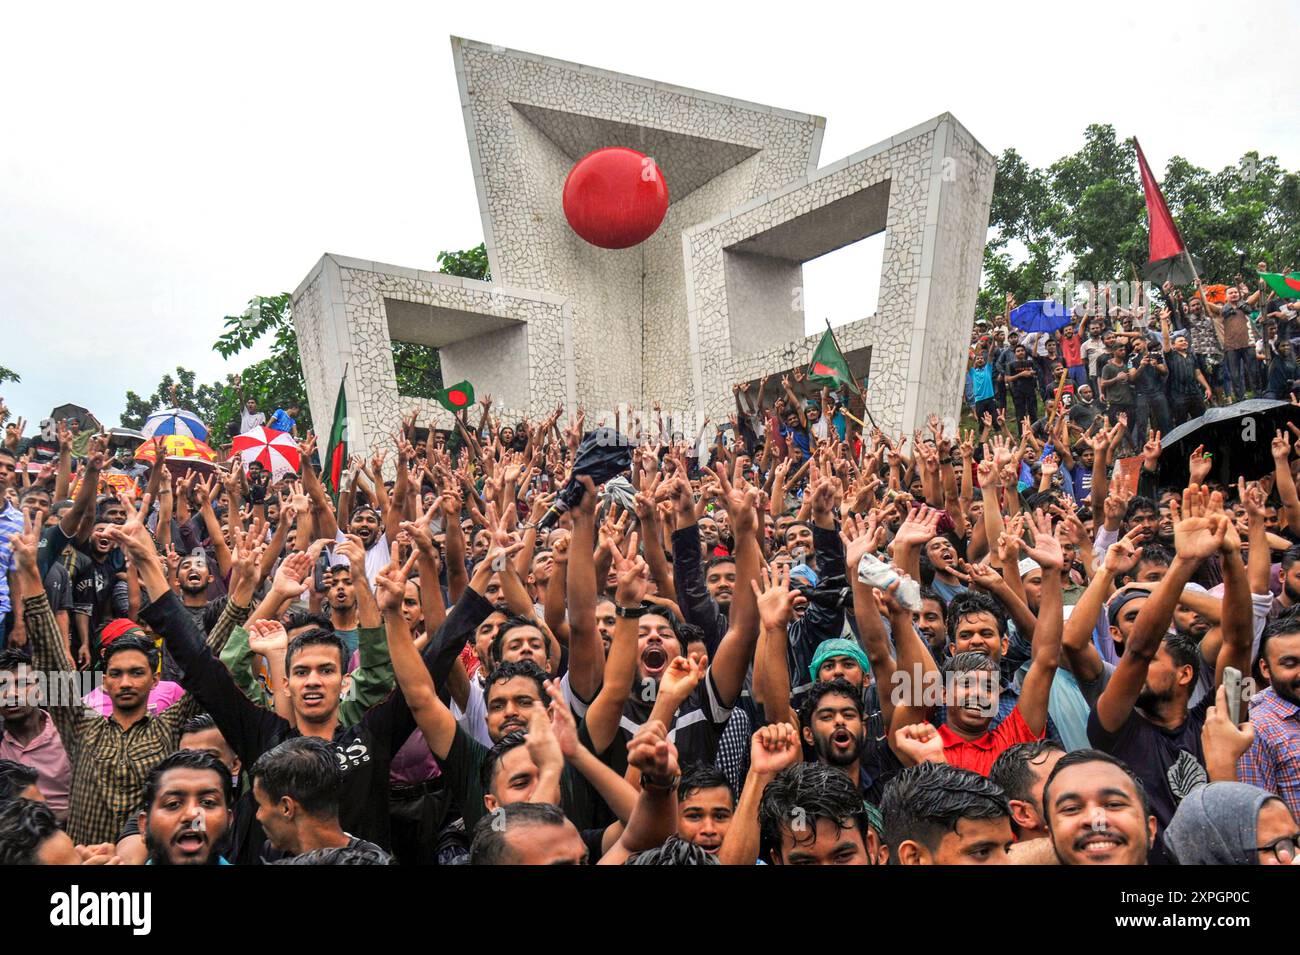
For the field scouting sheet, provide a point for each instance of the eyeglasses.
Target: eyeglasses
(1284, 849)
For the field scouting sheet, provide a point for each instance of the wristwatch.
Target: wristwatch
(631, 613)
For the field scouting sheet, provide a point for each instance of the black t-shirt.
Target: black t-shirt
(1170, 763)
(1148, 381)
(1182, 375)
(1025, 387)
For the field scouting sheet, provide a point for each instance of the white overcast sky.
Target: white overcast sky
(161, 164)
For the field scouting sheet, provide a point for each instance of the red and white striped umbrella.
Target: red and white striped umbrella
(274, 450)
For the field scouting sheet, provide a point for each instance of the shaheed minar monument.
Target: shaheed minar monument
(711, 297)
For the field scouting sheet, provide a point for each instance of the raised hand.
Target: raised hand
(1281, 446)
(1043, 545)
(390, 583)
(774, 748)
(267, 637)
(633, 575)
(775, 598)
(682, 676)
(291, 576)
(920, 525)
(1199, 464)
(920, 743)
(1123, 555)
(1199, 532)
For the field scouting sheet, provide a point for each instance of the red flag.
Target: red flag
(1165, 242)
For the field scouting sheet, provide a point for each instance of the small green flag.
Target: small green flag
(1287, 286)
(829, 364)
(337, 454)
(456, 397)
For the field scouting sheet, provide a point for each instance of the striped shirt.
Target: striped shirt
(110, 763)
(1273, 760)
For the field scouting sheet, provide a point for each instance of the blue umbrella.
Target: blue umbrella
(1041, 316)
(175, 421)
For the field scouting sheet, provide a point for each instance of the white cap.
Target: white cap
(1027, 566)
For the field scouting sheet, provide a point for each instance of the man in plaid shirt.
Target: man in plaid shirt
(111, 756)
(1273, 760)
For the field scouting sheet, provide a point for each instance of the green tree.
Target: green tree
(1085, 214)
(180, 391)
(7, 375)
(468, 264)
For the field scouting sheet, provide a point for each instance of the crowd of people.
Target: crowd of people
(795, 640)
(1159, 364)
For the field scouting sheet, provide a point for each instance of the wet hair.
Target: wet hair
(1012, 773)
(11, 658)
(1290, 556)
(929, 593)
(674, 851)
(305, 769)
(514, 622)
(969, 602)
(688, 633)
(490, 846)
(820, 793)
(1184, 651)
(1080, 756)
(822, 688)
(1154, 553)
(516, 668)
(341, 855)
(198, 724)
(487, 769)
(971, 661)
(134, 642)
(720, 559)
(320, 637)
(699, 777)
(24, 825)
(297, 619)
(14, 778)
(1283, 626)
(186, 759)
(924, 803)
(1140, 503)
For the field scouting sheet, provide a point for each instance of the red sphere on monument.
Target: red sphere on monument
(615, 197)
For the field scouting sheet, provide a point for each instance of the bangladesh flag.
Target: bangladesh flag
(829, 364)
(1287, 286)
(337, 456)
(456, 397)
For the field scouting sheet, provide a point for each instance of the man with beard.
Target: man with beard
(296, 786)
(1289, 575)
(186, 812)
(1085, 410)
(939, 557)
(1273, 761)
(111, 756)
(1097, 811)
(810, 814)
(935, 814)
(835, 730)
(931, 623)
(1143, 716)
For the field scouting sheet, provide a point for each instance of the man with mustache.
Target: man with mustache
(1143, 716)
(1097, 811)
(1273, 761)
(186, 812)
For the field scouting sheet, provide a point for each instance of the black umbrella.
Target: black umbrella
(602, 454)
(1173, 269)
(1238, 438)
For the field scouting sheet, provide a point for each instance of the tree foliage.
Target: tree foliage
(1085, 215)
(277, 381)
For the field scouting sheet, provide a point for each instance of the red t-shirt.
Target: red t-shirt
(1071, 350)
(978, 755)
